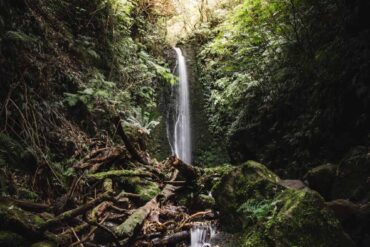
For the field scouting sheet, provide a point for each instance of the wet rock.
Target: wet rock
(292, 183)
(321, 179)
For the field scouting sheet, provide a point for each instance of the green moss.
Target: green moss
(129, 226)
(11, 239)
(37, 220)
(118, 173)
(251, 180)
(148, 190)
(219, 170)
(252, 202)
(255, 238)
(15, 219)
(44, 244)
(24, 193)
(303, 220)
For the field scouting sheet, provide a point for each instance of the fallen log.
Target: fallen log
(172, 239)
(133, 223)
(128, 144)
(70, 214)
(28, 205)
(189, 172)
(118, 173)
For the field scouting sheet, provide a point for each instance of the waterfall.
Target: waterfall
(181, 146)
(201, 235)
(179, 136)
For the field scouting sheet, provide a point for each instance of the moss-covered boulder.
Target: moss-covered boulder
(249, 181)
(19, 221)
(321, 179)
(300, 218)
(252, 202)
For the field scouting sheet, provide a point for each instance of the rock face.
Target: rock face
(252, 202)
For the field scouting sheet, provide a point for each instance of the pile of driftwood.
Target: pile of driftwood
(115, 202)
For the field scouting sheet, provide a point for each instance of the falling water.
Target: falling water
(201, 235)
(182, 135)
(179, 135)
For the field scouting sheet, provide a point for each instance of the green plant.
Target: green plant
(142, 120)
(258, 210)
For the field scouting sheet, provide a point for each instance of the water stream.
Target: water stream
(201, 235)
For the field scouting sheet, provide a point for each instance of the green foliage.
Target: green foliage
(9, 150)
(275, 73)
(141, 120)
(259, 210)
(14, 155)
(96, 91)
(19, 36)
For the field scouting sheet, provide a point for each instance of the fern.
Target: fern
(10, 151)
(257, 210)
(19, 36)
(141, 120)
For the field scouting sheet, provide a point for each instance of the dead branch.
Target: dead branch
(134, 222)
(128, 144)
(172, 239)
(28, 205)
(189, 172)
(75, 212)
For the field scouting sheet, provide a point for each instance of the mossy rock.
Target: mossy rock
(251, 180)
(19, 221)
(301, 219)
(353, 173)
(252, 202)
(11, 239)
(321, 179)
(299, 223)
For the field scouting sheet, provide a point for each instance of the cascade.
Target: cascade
(201, 235)
(181, 140)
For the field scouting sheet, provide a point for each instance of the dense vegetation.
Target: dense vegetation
(66, 69)
(86, 89)
(287, 81)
